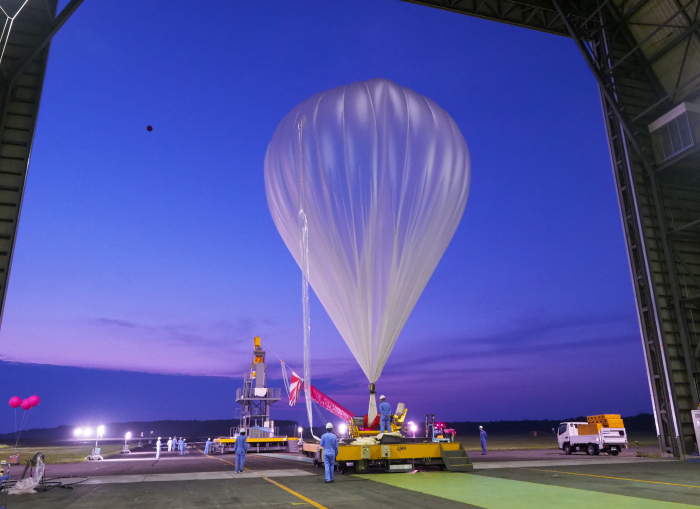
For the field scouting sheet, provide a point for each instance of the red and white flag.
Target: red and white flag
(295, 386)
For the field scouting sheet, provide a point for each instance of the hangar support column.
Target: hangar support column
(658, 199)
(645, 56)
(22, 69)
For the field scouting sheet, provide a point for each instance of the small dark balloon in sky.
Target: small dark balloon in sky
(149, 128)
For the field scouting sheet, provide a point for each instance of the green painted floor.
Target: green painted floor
(497, 493)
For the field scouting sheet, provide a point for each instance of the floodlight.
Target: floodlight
(87, 432)
(343, 429)
(100, 430)
(301, 429)
(128, 435)
(414, 428)
(78, 432)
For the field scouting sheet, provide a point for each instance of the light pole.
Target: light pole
(125, 449)
(99, 433)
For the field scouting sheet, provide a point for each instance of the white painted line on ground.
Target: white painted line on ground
(564, 463)
(113, 479)
(194, 476)
(290, 457)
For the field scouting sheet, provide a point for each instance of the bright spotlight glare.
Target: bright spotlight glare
(87, 431)
(101, 430)
(343, 429)
(301, 429)
(78, 432)
(128, 435)
(414, 427)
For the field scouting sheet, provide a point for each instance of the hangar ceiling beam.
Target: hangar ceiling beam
(43, 39)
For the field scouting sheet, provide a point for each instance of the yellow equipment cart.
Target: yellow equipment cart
(398, 457)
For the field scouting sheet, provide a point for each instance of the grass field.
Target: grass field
(509, 442)
(54, 454)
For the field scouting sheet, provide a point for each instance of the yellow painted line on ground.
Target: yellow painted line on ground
(220, 459)
(615, 478)
(299, 495)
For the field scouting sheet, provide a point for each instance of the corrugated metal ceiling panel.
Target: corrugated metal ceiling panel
(659, 25)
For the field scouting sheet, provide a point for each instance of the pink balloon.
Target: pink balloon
(15, 401)
(34, 400)
(26, 404)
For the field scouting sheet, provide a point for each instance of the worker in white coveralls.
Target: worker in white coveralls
(170, 444)
(240, 448)
(384, 415)
(207, 446)
(482, 439)
(329, 442)
(158, 445)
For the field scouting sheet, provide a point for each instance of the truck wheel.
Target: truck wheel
(591, 450)
(615, 452)
(567, 449)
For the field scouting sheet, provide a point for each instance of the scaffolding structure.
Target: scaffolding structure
(256, 398)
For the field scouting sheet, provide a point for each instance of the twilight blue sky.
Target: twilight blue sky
(146, 262)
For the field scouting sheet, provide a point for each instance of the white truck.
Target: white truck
(610, 440)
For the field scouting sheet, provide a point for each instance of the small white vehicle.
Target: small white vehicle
(610, 440)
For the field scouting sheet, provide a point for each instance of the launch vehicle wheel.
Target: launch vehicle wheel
(567, 449)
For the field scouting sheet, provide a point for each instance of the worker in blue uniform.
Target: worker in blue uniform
(240, 448)
(158, 444)
(181, 446)
(384, 415)
(329, 442)
(482, 438)
(207, 446)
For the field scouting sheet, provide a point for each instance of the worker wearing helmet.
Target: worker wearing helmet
(329, 442)
(181, 446)
(240, 448)
(158, 445)
(170, 444)
(482, 439)
(384, 415)
(207, 446)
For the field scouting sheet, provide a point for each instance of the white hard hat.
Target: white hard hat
(158, 438)
(208, 438)
(481, 427)
(382, 397)
(242, 430)
(329, 425)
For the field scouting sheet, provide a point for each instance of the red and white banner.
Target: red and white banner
(295, 386)
(330, 405)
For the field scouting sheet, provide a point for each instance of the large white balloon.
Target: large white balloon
(386, 175)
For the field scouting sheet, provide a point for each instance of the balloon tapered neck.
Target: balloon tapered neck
(371, 388)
